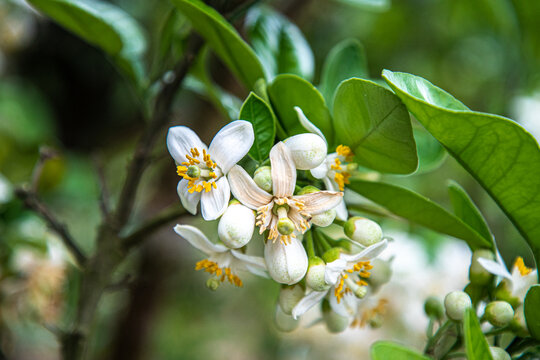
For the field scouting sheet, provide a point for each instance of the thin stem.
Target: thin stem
(440, 332)
(339, 222)
(321, 240)
(309, 244)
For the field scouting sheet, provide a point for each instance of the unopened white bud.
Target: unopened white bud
(236, 226)
(499, 313)
(477, 273)
(335, 323)
(289, 296)
(456, 303)
(263, 178)
(499, 354)
(308, 150)
(324, 219)
(315, 274)
(284, 322)
(380, 274)
(362, 230)
(286, 264)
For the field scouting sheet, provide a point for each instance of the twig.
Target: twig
(161, 219)
(32, 202)
(104, 195)
(45, 153)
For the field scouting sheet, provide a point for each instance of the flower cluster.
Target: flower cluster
(284, 200)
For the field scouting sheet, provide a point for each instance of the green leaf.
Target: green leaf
(431, 154)
(466, 210)
(476, 345)
(384, 350)
(532, 311)
(373, 5)
(103, 25)
(288, 91)
(376, 125)
(223, 39)
(346, 60)
(280, 45)
(500, 154)
(418, 209)
(259, 114)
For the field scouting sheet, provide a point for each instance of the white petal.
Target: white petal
(333, 271)
(255, 261)
(196, 238)
(341, 211)
(307, 302)
(231, 144)
(180, 139)
(257, 271)
(346, 307)
(283, 170)
(320, 171)
(495, 268)
(371, 252)
(320, 201)
(330, 184)
(189, 201)
(286, 264)
(245, 190)
(214, 202)
(308, 125)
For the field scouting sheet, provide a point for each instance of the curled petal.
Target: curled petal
(320, 171)
(308, 125)
(214, 203)
(189, 201)
(320, 201)
(255, 261)
(307, 302)
(196, 238)
(283, 170)
(180, 140)
(245, 190)
(231, 144)
(371, 252)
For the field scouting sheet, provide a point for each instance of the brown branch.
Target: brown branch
(32, 202)
(104, 195)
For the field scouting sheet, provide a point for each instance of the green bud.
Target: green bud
(345, 244)
(477, 274)
(315, 274)
(212, 284)
(193, 171)
(284, 322)
(499, 313)
(362, 230)
(499, 354)
(380, 274)
(434, 308)
(263, 178)
(335, 323)
(308, 190)
(331, 255)
(504, 292)
(324, 219)
(289, 296)
(456, 303)
(285, 226)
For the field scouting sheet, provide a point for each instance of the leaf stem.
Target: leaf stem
(310, 248)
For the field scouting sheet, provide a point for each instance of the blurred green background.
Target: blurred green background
(58, 91)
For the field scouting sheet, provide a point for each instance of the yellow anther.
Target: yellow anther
(337, 165)
(523, 269)
(341, 179)
(345, 151)
(222, 273)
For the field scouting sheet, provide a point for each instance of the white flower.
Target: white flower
(286, 263)
(282, 212)
(308, 150)
(236, 225)
(333, 171)
(521, 278)
(203, 169)
(345, 275)
(222, 262)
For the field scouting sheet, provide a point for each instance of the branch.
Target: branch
(32, 202)
(104, 195)
(154, 224)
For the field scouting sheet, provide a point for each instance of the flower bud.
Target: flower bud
(456, 303)
(315, 274)
(503, 291)
(335, 323)
(331, 255)
(477, 273)
(286, 264)
(434, 308)
(236, 226)
(380, 274)
(284, 322)
(362, 230)
(289, 296)
(324, 219)
(499, 313)
(498, 353)
(308, 150)
(263, 178)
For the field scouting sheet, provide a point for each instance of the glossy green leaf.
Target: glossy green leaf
(466, 210)
(288, 91)
(223, 39)
(500, 154)
(419, 210)
(384, 350)
(280, 45)
(532, 311)
(346, 60)
(431, 155)
(476, 345)
(259, 114)
(376, 125)
(103, 25)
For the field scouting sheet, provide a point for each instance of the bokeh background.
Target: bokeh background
(57, 90)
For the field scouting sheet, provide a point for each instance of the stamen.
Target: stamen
(223, 274)
(523, 269)
(345, 151)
